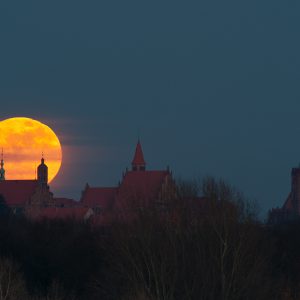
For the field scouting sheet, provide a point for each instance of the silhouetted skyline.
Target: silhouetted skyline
(210, 88)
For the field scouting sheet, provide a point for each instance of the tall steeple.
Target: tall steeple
(2, 170)
(138, 163)
(42, 172)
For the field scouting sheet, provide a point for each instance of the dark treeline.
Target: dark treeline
(216, 250)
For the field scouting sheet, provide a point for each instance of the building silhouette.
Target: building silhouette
(42, 172)
(138, 189)
(290, 211)
(24, 194)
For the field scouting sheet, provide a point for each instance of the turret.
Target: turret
(42, 172)
(138, 163)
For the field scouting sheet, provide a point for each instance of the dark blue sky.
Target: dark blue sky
(212, 87)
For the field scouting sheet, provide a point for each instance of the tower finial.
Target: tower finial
(42, 160)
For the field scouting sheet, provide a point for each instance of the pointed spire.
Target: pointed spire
(138, 163)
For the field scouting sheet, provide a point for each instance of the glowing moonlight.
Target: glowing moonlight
(23, 140)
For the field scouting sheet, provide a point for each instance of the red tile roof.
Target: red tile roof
(17, 192)
(137, 186)
(95, 197)
(138, 156)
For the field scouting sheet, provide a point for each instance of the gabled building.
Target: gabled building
(138, 189)
(100, 199)
(34, 199)
(20, 195)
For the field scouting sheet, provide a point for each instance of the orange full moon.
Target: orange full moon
(23, 141)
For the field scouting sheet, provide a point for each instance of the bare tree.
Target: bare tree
(56, 292)
(204, 248)
(237, 240)
(12, 285)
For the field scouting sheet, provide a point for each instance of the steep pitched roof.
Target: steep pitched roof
(17, 192)
(138, 156)
(143, 186)
(102, 197)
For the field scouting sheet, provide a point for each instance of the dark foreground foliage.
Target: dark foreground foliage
(217, 252)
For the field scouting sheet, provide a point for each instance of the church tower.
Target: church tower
(42, 172)
(2, 170)
(138, 163)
